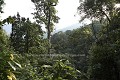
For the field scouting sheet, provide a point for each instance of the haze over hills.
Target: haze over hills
(7, 28)
(71, 27)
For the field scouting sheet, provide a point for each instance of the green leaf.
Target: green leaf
(12, 66)
(68, 67)
(17, 64)
(4, 21)
(46, 66)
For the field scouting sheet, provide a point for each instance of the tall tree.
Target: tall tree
(25, 35)
(98, 9)
(46, 14)
(104, 62)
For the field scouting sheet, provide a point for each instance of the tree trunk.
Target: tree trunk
(49, 32)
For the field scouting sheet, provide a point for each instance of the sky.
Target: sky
(67, 11)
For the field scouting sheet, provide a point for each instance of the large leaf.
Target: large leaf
(17, 64)
(46, 66)
(12, 66)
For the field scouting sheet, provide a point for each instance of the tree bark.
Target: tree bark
(48, 29)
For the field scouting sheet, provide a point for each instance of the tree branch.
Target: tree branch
(105, 15)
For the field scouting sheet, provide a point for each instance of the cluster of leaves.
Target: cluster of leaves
(59, 42)
(27, 37)
(104, 59)
(97, 9)
(104, 62)
(7, 60)
(60, 70)
(76, 42)
(101, 48)
(42, 12)
(46, 14)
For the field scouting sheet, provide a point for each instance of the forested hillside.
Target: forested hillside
(90, 52)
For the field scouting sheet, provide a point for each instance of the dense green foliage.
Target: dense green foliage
(104, 54)
(76, 43)
(91, 52)
(45, 14)
(26, 37)
(8, 63)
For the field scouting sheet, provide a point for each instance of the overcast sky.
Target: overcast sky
(67, 11)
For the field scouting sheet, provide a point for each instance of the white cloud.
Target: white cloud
(24, 7)
(66, 11)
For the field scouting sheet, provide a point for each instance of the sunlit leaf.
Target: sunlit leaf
(17, 64)
(12, 66)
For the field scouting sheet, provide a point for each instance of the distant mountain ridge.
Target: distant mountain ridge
(71, 27)
(7, 28)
